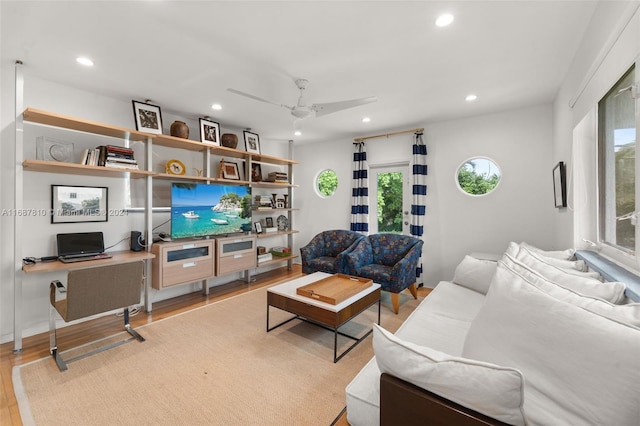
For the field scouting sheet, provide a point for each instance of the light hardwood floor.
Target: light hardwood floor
(36, 347)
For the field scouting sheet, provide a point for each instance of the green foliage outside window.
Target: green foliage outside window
(327, 183)
(390, 202)
(475, 182)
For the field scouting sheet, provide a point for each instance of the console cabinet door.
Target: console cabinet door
(181, 263)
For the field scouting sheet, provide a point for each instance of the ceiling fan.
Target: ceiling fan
(303, 110)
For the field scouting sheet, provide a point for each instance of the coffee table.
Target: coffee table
(326, 315)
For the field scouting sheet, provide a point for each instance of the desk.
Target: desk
(118, 257)
(57, 266)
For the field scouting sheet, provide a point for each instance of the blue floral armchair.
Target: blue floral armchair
(325, 252)
(389, 260)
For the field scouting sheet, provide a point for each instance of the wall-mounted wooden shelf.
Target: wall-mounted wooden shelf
(81, 169)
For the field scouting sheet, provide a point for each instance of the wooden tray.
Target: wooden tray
(334, 289)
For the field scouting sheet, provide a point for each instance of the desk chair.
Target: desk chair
(93, 291)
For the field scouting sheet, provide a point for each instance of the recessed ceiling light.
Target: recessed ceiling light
(217, 107)
(366, 120)
(471, 98)
(297, 133)
(84, 61)
(444, 20)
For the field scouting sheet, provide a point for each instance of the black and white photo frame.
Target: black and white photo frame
(148, 117)
(251, 142)
(209, 132)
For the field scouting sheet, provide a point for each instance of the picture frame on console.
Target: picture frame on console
(251, 142)
(229, 170)
(74, 204)
(560, 185)
(209, 132)
(148, 117)
(258, 227)
(256, 173)
(269, 222)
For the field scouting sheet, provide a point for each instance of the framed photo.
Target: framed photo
(229, 170)
(258, 227)
(71, 204)
(148, 118)
(269, 221)
(256, 172)
(209, 132)
(251, 142)
(280, 204)
(560, 185)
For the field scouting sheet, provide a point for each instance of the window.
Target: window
(478, 176)
(617, 165)
(327, 183)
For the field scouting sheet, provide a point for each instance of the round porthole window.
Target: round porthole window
(326, 183)
(478, 176)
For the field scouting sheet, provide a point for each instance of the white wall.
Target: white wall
(610, 46)
(38, 238)
(520, 208)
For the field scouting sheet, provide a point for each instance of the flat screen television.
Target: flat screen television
(199, 210)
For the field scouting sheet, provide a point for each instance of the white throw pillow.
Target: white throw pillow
(475, 274)
(626, 314)
(484, 387)
(575, 267)
(581, 368)
(583, 284)
(558, 254)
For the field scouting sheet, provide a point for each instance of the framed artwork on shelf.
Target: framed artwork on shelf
(209, 132)
(269, 222)
(229, 170)
(251, 142)
(258, 227)
(560, 185)
(148, 118)
(73, 204)
(256, 173)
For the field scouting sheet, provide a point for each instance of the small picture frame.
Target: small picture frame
(209, 132)
(269, 222)
(251, 142)
(74, 204)
(256, 172)
(560, 185)
(148, 117)
(229, 170)
(258, 227)
(280, 204)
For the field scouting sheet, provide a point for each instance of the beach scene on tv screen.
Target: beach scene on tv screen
(199, 210)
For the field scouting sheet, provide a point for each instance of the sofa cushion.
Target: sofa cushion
(584, 284)
(475, 274)
(627, 313)
(579, 367)
(558, 254)
(484, 387)
(389, 249)
(576, 267)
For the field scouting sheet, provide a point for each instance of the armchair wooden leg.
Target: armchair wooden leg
(395, 300)
(413, 288)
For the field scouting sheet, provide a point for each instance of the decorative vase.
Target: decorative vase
(286, 201)
(229, 140)
(180, 129)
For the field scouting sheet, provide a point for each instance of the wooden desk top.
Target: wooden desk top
(126, 256)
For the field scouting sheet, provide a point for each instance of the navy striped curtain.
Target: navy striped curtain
(360, 191)
(419, 193)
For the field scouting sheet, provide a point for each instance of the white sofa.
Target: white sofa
(533, 338)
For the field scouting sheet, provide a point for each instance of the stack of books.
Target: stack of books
(281, 251)
(262, 202)
(265, 257)
(277, 177)
(109, 156)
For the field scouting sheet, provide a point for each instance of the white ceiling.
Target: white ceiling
(183, 55)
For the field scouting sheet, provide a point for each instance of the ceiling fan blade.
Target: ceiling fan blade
(238, 92)
(330, 107)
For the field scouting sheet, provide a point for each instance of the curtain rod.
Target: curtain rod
(364, 138)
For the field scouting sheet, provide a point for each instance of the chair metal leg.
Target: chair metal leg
(127, 326)
(53, 341)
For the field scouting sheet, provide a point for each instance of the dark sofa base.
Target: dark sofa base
(402, 403)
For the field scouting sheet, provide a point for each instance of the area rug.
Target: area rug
(214, 365)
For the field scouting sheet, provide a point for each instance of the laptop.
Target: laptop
(81, 246)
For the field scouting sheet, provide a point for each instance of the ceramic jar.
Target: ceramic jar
(229, 140)
(180, 129)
